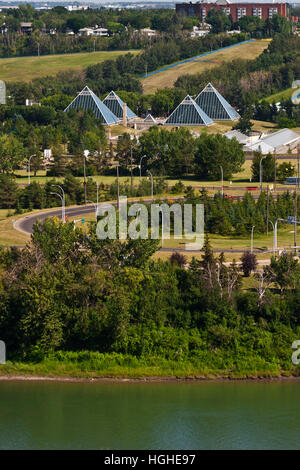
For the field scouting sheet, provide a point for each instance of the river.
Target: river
(110, 416)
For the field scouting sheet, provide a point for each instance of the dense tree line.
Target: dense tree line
(66, 291)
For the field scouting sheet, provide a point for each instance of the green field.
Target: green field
(167, 78)
(27, 68)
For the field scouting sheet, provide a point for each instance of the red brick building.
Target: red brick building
(236, 10)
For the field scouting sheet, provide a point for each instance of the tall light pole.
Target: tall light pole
(273, 234)
(118, 188)
(252, 230)
(151, 184)
(222, 176)
(34, 155)
(63, 201)
(260, 172)
(97, 186)
(295, 218)
(275, 171)
(85, 155)
(144, 156)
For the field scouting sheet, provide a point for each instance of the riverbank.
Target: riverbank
(91, 366)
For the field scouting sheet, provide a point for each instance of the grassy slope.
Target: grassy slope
(282, 95)
(166, 79)
(27, 68)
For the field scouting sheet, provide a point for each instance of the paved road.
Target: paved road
(25, 224)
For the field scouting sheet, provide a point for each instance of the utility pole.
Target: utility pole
(222, 176)
(118, 188)
(151, 184)
(295, 219)
(38, 46)
(63, 202)
(29, 167)
(131, 181)
(85, 155)
(141, 165)
(275, 172)
(268, 196)
(261, 172)
(252, 230)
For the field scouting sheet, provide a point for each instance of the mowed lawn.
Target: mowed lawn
(26, 68)
(168, 77)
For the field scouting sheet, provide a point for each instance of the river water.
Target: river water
(110, 416)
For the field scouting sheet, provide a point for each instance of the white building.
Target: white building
(148, 32)
(100, 32)
(282, 141)
(243, 138)
(85, 32)
(199, 32)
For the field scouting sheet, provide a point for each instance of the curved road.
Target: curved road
(25, 224)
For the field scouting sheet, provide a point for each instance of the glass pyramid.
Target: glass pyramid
(215, 106)
(150, 119)
(115, 104)
(86, 100)
(188, 113)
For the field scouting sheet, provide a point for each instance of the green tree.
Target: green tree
(267, 164)
(213, 150)
(11, 153)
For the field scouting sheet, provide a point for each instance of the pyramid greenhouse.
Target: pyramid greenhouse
(149, 119)
(115, 104)
(215, 106)
(188, 113)
(86, 100)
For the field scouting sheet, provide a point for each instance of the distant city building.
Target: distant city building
(93, 32)
(236, 10)
(77, 7)
(148, 32)
(31, 103)
(200, 32)
(85, 31)
(100, 32)
(26, 27)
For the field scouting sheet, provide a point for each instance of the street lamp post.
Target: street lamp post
(118, 188)
(63, 201)
(151, 184)
(252, 230)
(86, 154)
(222, 176)
(34, 155)
(141, 165)
(260, 172)
(273, 233)
(97, 186)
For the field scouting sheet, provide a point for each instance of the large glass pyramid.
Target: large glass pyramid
(215, 106)
(188, 113)
(115, 104)
(86, 100)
